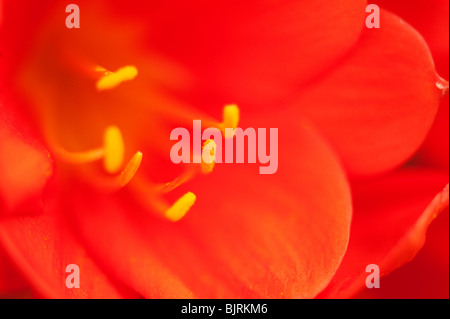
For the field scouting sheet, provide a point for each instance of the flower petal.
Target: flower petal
(11, 281)
(431, 19)
(252, 52)
(25, 167)
(378, 105)
(426, 276)
(435, 151)
(388, 230)
(247, 236)
(43, 247)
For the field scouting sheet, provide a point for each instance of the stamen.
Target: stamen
(114, 150)
(179, 209)
(180, 180)
(130, 170)
(230, 118)
(143, 185)
(76, 158)
(112, 153)
(110, 80)
(208, 156)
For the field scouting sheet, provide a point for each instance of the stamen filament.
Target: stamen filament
(76, 158)
(130, 169)
(177, 182)
(143, 185)
(112, 153)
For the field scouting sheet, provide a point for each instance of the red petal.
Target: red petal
(435, 151)
(11, 281)
(378, 105)
(426, 276)
(25, 167)
(388, 230)
(252, 52)
(248, 235)
(431, 19)
(43, 248)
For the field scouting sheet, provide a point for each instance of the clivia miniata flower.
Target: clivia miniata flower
(85, 171)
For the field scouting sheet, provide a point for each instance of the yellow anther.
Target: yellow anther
(208, 156)
(230, 117)
(179, 209)
(110, 80)
(130, 170)
(114, 149)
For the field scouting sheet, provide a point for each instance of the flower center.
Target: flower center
(112, 153)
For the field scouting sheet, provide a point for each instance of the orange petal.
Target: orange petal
(378, 105)
(11, 281)
(431, 19)
(426, 276)
(255, 52)
(25, 167)
(247, 236)
(43, 247)
(435, 150)
(387, 229)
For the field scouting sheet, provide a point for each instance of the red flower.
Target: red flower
(352, 106)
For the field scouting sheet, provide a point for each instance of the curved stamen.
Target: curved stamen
(177, 182)
(179, 209)
(150, 196)
(112, 154)
(110, 80)
(150, 193)
(76, 158)
(130, 170)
